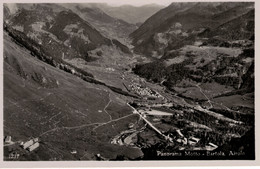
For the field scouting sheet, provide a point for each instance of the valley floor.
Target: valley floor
(77, 120)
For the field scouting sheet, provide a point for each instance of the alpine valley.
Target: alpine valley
(98, 82)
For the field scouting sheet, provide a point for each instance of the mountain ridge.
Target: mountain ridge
(185, 15)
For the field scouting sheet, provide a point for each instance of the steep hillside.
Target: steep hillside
(134, 14)
(45, 102)
(70, 28)
(110, 27)
(198, 49)
(239, 28)
(182, 22)
(59, 28)
(234, 12)
(128, 13)
(152, 23)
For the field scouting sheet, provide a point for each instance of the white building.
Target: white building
(195, 139)
(35, 139)
(33, 147)
(27, 144)
(8, 139)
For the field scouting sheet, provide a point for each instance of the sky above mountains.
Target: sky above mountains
(109, 2)
(133, 2)
(114, 3)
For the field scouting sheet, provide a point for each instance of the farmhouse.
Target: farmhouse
(27, 144)
(34, 146)
(8, 139)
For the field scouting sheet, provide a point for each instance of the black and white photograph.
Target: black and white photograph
(129, 81)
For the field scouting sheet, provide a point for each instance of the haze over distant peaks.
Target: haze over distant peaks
(128, 13)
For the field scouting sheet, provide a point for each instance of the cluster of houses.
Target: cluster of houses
(191, 141)
(143, 91)
(125, 137)
(109, 69)
(31, 144)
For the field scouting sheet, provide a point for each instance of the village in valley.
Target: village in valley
(82, 83)
(155, 107)
(152, 108)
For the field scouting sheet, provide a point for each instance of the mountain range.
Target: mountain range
(128, 13)
(209, 44)
(62, 29)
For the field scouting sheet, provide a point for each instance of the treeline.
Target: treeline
(246, 118)
(22, 40)
(157, 72)
(36, 50)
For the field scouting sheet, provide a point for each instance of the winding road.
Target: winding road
(85, 125)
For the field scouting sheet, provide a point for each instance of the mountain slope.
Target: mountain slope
(110, 27)
(50, 29)
(181, 22)
(191, 49)
(62, 30)
(128, 13)
(133, 14)
(238, 28)
(199, 86)
(43, 101)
